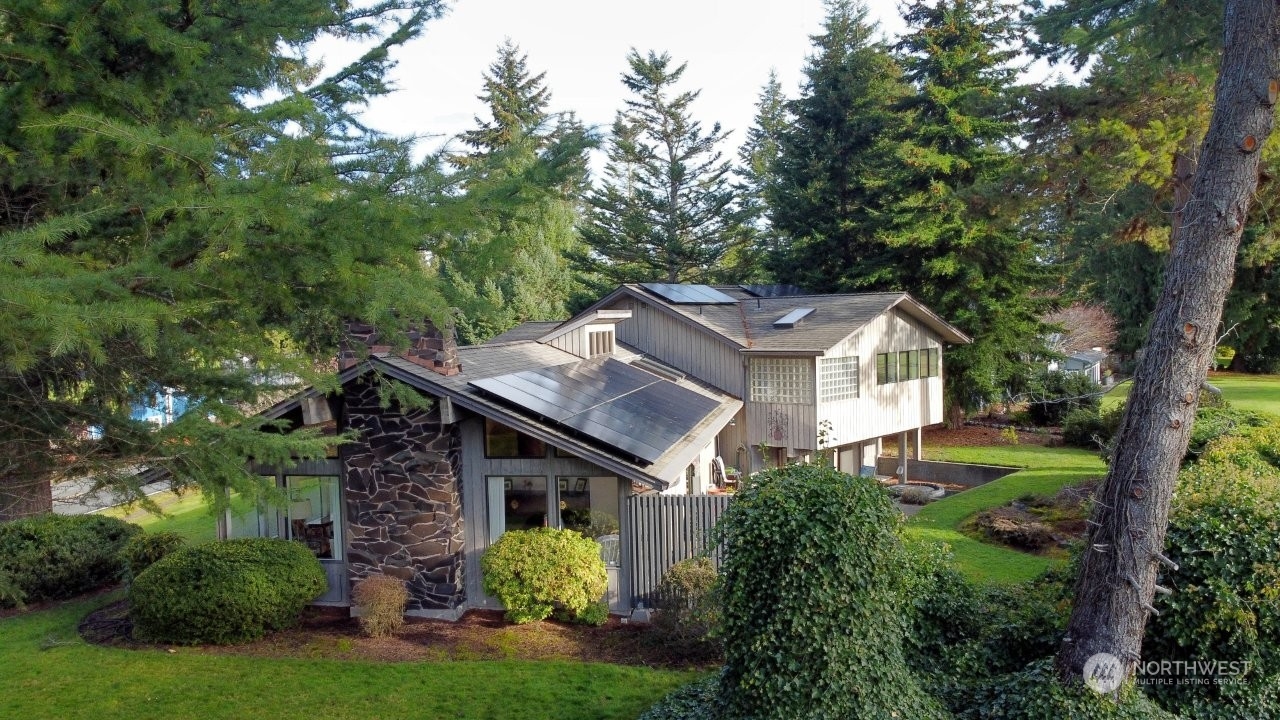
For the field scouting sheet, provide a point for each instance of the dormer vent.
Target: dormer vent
(792, 318)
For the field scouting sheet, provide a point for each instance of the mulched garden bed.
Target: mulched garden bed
(478, 635)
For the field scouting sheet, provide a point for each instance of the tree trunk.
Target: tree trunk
(21, 498)
(1118, 571)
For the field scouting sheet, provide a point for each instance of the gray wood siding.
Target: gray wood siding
(790, 425)
(884, 409)
(666, 529)
(475, 468)
(696, 352)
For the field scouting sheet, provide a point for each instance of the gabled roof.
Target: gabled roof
(496, 360)
(749, 323)
(1088, 356)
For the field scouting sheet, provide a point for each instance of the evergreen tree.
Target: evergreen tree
(159, 229)
(666, 209)
(952, 233)
(504, 259)
(758, 158)
(830, 192)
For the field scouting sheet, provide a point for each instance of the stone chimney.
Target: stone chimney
(428, 346)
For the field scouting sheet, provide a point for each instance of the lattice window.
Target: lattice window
(781, 380)
(838, 378)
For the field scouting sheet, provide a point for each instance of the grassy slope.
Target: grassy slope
(185, 514)
(1260, 393)
(1048, 469)
(84, 681)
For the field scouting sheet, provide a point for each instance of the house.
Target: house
(563, 424)
(1086, 362)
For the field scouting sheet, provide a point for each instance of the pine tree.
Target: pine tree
(828, 199)
(758, 158)
(160, 228)
(666, 209)
(504, 259)
(952, 232)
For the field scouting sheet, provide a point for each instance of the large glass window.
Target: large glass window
(247, 519)
(501, 441)
(314, 517)
(590, 506)
(781, 380)
(838, 378)
(517, 503)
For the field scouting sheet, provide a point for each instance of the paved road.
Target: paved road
(74, 497)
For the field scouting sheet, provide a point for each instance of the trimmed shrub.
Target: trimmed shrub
(57, 556)
(915, 495)
(224, 592)
(597, 614)
(813, 586)
(532, 572)
(381, 600)
(1058, 393)
(688, 607)
(1085, 428)
(145, 549)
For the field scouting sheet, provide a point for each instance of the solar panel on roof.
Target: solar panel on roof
(688, 294)
(792, 318)
(609, 401)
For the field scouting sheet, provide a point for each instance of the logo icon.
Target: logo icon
(1103, 673)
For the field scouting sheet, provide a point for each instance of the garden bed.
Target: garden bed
(329, 633)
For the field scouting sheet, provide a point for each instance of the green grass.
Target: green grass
(1259, 393)
(186, 514)
(50, 673)
(1047, 471)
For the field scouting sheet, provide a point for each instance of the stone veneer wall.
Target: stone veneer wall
(403, 488)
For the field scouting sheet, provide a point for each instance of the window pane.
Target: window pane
(781, 380)
(882, 369)
(314, 519)
(838, 378)
(524, 503)
(913, 364)
(904, 365)
(589, 505)
(501, 441)
(245, 519)
(935, 364)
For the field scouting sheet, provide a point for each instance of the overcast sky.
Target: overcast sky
(582, 45)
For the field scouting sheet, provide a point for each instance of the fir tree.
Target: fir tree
(829, 192)
(952, 232)
(504, 259)
(666, 210)
(758, 158)
(158, 229)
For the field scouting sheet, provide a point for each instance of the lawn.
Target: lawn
(50, 673)
(1260, 393)
(1047, 470)
(185, 514)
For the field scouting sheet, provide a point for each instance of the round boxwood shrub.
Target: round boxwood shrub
(814, 591)
(144, 549)
(534, 572)
(48, 557)
(688, 608)
(224, 592)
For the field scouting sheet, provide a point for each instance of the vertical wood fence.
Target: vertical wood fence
(663, 530)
